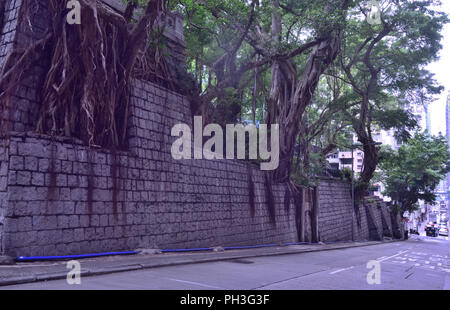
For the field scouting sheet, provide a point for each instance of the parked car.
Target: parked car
(443, 231)
(431, 231)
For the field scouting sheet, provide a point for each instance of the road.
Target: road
(421, 263)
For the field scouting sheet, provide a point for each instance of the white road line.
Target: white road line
(343, 269)
(400, 253)
(196, 283)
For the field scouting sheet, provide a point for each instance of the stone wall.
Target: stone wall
(65, 198)
(360, 225)
(335, 213)
(24, 103)
(59, 196)
(371, 221)
(378, 218)
(8, 32)
(4, 161)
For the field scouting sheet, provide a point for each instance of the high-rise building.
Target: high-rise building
(443, 190)
(343, 159)
(447, 126)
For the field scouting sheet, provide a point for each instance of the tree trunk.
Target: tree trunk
(291, 111)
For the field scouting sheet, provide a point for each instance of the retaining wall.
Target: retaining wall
(59, 196)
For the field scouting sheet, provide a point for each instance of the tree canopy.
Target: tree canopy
(316, 68)
(413, 172)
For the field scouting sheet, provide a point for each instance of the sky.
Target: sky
(441, 69)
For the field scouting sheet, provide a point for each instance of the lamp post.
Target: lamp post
(353, 192)
(353, 197)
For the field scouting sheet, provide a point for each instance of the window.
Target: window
(334, 155)
(334, 166)
(346, 161)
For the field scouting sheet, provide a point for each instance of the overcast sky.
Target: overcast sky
(441, 69)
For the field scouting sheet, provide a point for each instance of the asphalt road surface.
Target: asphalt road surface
(419, 263)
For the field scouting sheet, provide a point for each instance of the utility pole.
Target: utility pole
(353, 196)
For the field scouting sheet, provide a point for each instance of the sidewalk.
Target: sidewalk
(52, 270)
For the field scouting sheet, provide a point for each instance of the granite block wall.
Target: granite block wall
(372, 218)
(66, 198)
(374, 222)
(59, 196)
(8, 32)
(360, 225)
(335, 213)
(17, 32)
(4, 161)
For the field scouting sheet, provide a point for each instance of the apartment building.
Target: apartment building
(343, 158)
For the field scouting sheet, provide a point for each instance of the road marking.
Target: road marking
(196, 283)
(400, 253)
(409, 275)
(343, 269)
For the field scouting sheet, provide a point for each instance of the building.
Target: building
(447, 180)
(443, 190)
(343, 159)
(447, 126)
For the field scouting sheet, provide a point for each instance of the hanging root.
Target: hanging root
(251, 190)
(297, 194)
(86, 89)
(287, 200)
(270, 199)
(2, 14)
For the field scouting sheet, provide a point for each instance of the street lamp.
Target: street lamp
(353, 146)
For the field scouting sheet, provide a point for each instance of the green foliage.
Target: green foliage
(413, 172)
(227, 107)
(410, 39)
(346, 174)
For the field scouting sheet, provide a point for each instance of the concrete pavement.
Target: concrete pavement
(419, 263)
(51, 270)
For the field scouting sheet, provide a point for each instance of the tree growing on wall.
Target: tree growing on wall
(86, 86)
(413, 172)
(275, 59)
(384, 65)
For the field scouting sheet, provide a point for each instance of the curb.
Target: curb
(176, 262)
